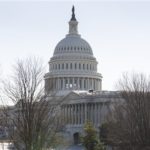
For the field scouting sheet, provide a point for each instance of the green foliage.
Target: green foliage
(90, 140)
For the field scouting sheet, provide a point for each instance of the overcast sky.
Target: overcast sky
(118, 32)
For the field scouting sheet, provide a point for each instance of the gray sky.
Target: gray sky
(118, 32)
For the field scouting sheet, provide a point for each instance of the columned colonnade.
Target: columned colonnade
(74, 83)
(78, 114)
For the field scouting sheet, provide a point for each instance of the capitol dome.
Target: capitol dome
(73, 44)
(73, 65)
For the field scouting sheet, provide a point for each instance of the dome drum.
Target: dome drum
(72, 83)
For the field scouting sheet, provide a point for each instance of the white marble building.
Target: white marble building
(73, 75)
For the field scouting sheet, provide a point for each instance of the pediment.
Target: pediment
(71, 96)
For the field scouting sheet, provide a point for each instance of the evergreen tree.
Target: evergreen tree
(91, 140)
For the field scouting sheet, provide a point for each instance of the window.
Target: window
(80, 82)
(62, 66)
(61, 83)
(87, 66)
(59, 66)
(66, 83)
(55, 66)
(71, 66)
(66, 66)
(83, 66)
(75, 83)
(84, 84)
(79, 66)
(75, 66)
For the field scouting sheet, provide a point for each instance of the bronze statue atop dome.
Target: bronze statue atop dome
(73, 14)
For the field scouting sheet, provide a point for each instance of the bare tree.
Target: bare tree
(34, 121)
(129, 123)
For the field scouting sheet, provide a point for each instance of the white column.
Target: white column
(99, 112)
(53, 80)
(58, 79)
(64, 84)
(82, 84)
(72, 114)
(65, 113)
(100, 84)
(96, 84)
(78, 112)
(68, 81)
(56, 83)
(88, 84)
(78, 84)
(91, 112)
(73, 87)
(95, 113)
(75, 115)
(85, 111)
(92, 84)
(81, 112)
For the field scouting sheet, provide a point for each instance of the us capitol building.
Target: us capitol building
(73, 75)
